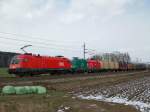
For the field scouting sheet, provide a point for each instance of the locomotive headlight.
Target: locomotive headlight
(14, 66)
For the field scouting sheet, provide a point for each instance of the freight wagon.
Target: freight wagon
(140, 66)
(131, 67)
(123, 66)
(105, 66)
(79, 65)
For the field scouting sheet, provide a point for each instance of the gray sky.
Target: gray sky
(60, 27)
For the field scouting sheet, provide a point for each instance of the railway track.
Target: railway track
(61, 78)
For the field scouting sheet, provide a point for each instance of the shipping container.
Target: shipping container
(111, 65)
(123, 66)
(79, 65)
(130, 66)
(116, 65)
(105, 65)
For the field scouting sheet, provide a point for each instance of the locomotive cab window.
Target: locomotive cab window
(15, 60)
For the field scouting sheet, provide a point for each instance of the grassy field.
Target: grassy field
(56, 101)
(60, 98)
(4, 73)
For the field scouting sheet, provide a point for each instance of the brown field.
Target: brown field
(63, 94)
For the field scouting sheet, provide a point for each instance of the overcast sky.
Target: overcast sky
(60, 27)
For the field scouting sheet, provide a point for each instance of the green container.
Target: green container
(79, 65)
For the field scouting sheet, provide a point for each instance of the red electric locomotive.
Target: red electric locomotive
(94, 65)
(36, 64)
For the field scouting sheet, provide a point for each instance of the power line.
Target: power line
(47, 43)
(43, 44)
(7, 46)
(36, 37)
(34, 46)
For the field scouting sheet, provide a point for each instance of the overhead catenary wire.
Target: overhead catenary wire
(40, 47)
(17, 51)
(13, 49)
(39, 37)
(90, 51)
(9, 48)
(40, 44)
(48, 42)
(44, 44)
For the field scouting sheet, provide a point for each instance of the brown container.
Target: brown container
(116, 65)
(130, 66)
(105, 65)
(111, 65)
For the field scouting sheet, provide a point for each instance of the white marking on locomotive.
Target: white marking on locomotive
(61, 64)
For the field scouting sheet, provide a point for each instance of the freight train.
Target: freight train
(29, 64)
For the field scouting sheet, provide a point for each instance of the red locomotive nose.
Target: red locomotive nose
(15, 63)
(14, 66)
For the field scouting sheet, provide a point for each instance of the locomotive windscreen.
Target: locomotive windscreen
(15, 60)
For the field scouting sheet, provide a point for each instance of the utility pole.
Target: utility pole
(84, 50)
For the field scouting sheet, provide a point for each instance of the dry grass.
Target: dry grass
(4, 73)
(59, 97)
(57, 101)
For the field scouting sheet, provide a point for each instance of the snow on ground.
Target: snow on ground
(135, 93)
(63, 109)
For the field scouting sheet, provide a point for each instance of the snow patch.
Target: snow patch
(63, 108)
(144, 107)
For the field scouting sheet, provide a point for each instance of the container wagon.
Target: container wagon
(79, 65)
